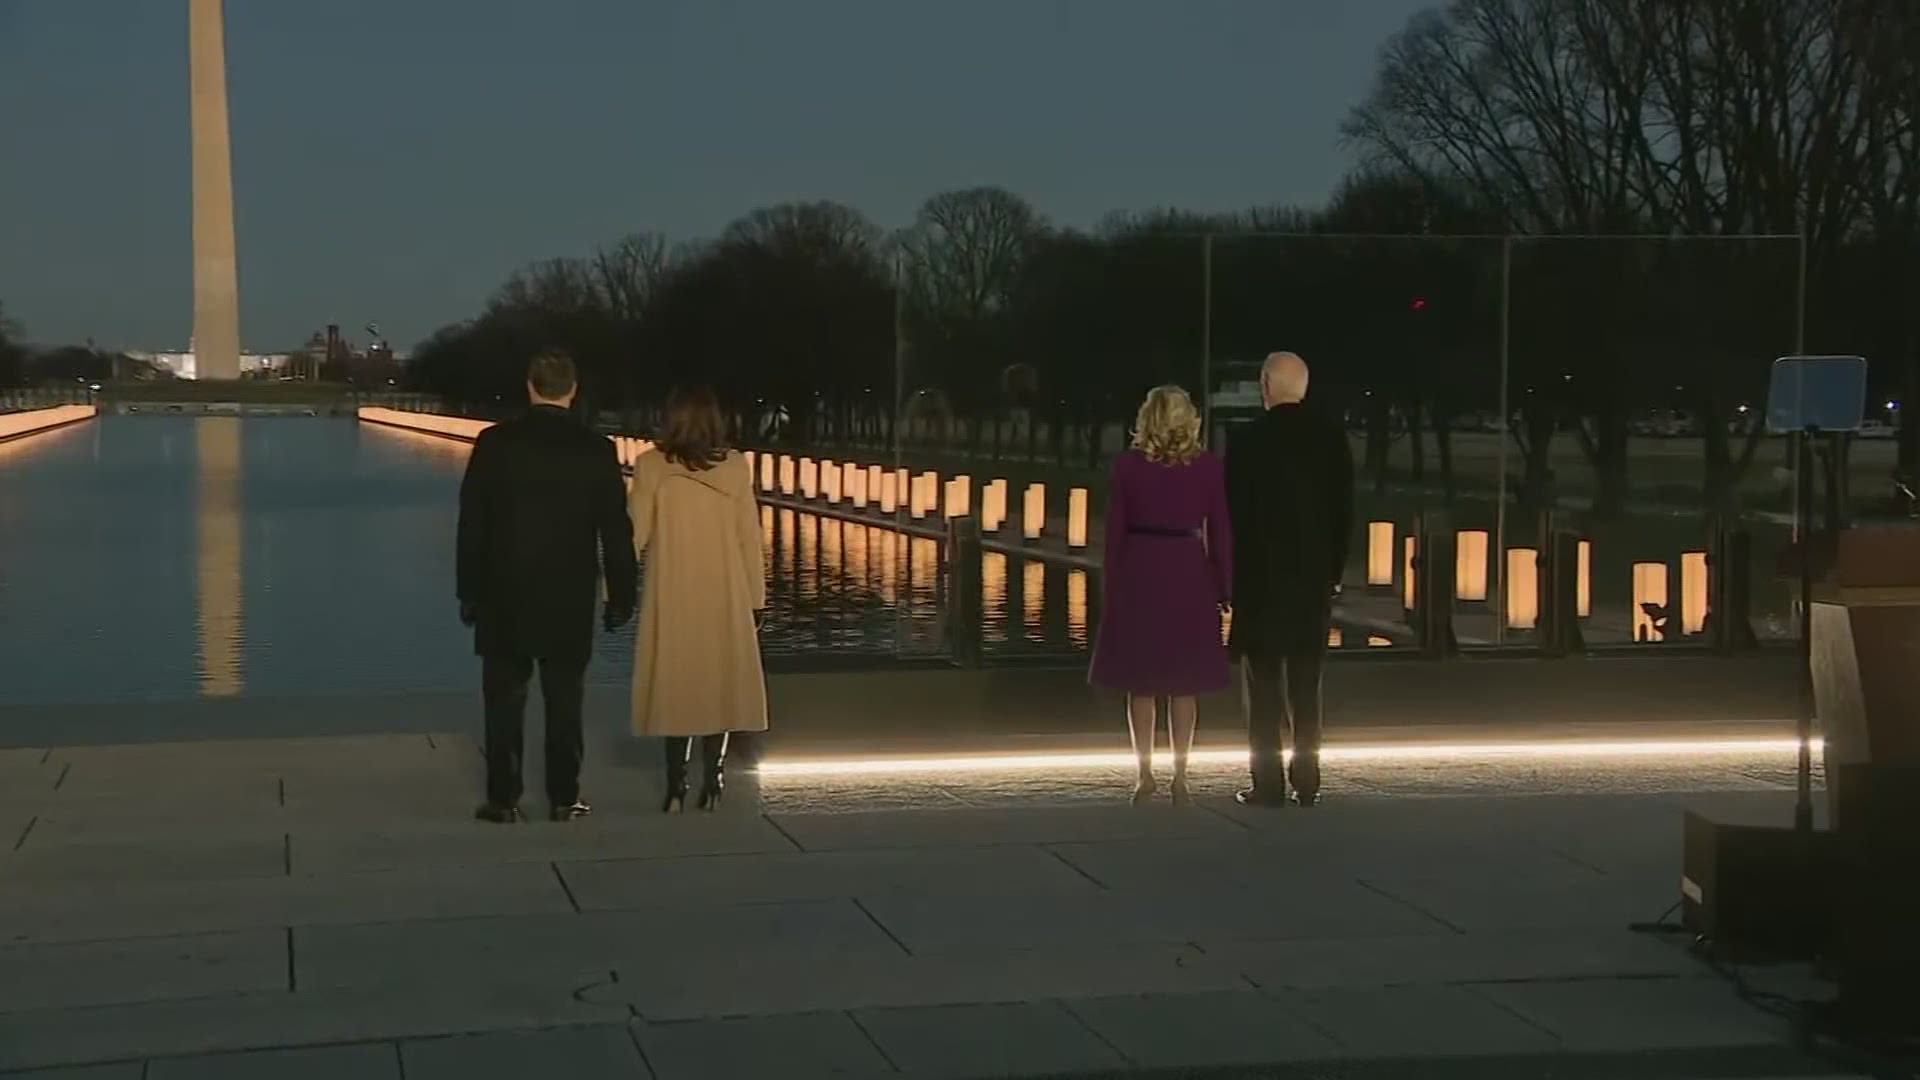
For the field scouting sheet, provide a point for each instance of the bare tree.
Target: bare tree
(812, 229)
(628, 273)
(552, 286)
(965, 249)
(12, 356)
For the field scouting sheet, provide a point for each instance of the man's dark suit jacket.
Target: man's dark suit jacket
(542, 509)
(1290, 495)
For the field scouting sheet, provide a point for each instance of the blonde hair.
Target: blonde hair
(1168, 427)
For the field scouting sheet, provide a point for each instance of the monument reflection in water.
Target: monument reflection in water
(220, 623)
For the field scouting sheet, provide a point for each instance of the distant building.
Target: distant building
(183, 366)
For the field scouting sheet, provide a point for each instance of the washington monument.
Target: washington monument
(216, 292)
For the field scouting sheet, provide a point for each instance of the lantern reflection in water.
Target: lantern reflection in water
(889, 566)
(1078, 615)
(789, 544)
(1033, 601)
(923, 568)
(993, 597)
(859, 541)
(833, 552)
(768, 539)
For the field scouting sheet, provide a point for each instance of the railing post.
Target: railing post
(966, 606)
(1730, 588)
(1560, 606)
(1434, 564)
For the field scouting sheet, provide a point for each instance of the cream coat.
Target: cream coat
(696, 667)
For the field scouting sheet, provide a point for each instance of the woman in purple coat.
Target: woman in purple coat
(1168, 570)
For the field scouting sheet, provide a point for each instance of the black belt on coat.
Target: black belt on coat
(1150, 530)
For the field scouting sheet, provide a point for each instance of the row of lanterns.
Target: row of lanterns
(1650, 580)
(920, 495)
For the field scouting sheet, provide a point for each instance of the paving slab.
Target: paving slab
(790, 1047)
(1521, 902)
(33, 912)
(367, 1061)
(458, 840)
(52, 1037)
(70, 822)
(994, 871)
(126, 1070)
(1014, 825)
(1427, 1021)
(1172, 913)
(1624, 1015)
(168, 855)
(1278, 860)
(784, 981)
(1234, 1027)
(605, 1052)
(143, 969)
(966, 1041)
(25, 775)
(586, 947)
(1433, 960)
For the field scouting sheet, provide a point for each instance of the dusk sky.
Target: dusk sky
(394, 160)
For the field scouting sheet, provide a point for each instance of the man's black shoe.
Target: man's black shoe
(498, 813)
(1257, 797)
(570, 811)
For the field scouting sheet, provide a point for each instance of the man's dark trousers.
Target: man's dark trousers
(503, 683)
(1282, 692)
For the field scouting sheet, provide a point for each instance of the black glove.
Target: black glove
(469, 613)
(617, 616)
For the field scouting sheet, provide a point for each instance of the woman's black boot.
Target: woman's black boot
(678, 747)
(714, 749)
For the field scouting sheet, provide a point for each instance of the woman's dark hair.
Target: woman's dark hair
(695, 434)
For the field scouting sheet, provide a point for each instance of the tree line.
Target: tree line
(1689, 191)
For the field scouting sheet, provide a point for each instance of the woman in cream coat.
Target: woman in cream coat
(696, 669)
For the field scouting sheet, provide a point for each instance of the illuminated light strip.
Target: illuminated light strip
(33, 421)
(464, 429)
(1407, 753)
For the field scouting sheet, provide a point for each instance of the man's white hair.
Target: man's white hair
(1283, 378)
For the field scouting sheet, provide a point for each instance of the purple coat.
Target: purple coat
(1168, 568)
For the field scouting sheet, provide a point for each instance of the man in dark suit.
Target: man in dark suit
(1290, 495)
(543, 509)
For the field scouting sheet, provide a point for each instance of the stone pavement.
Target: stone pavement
(307, 908)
